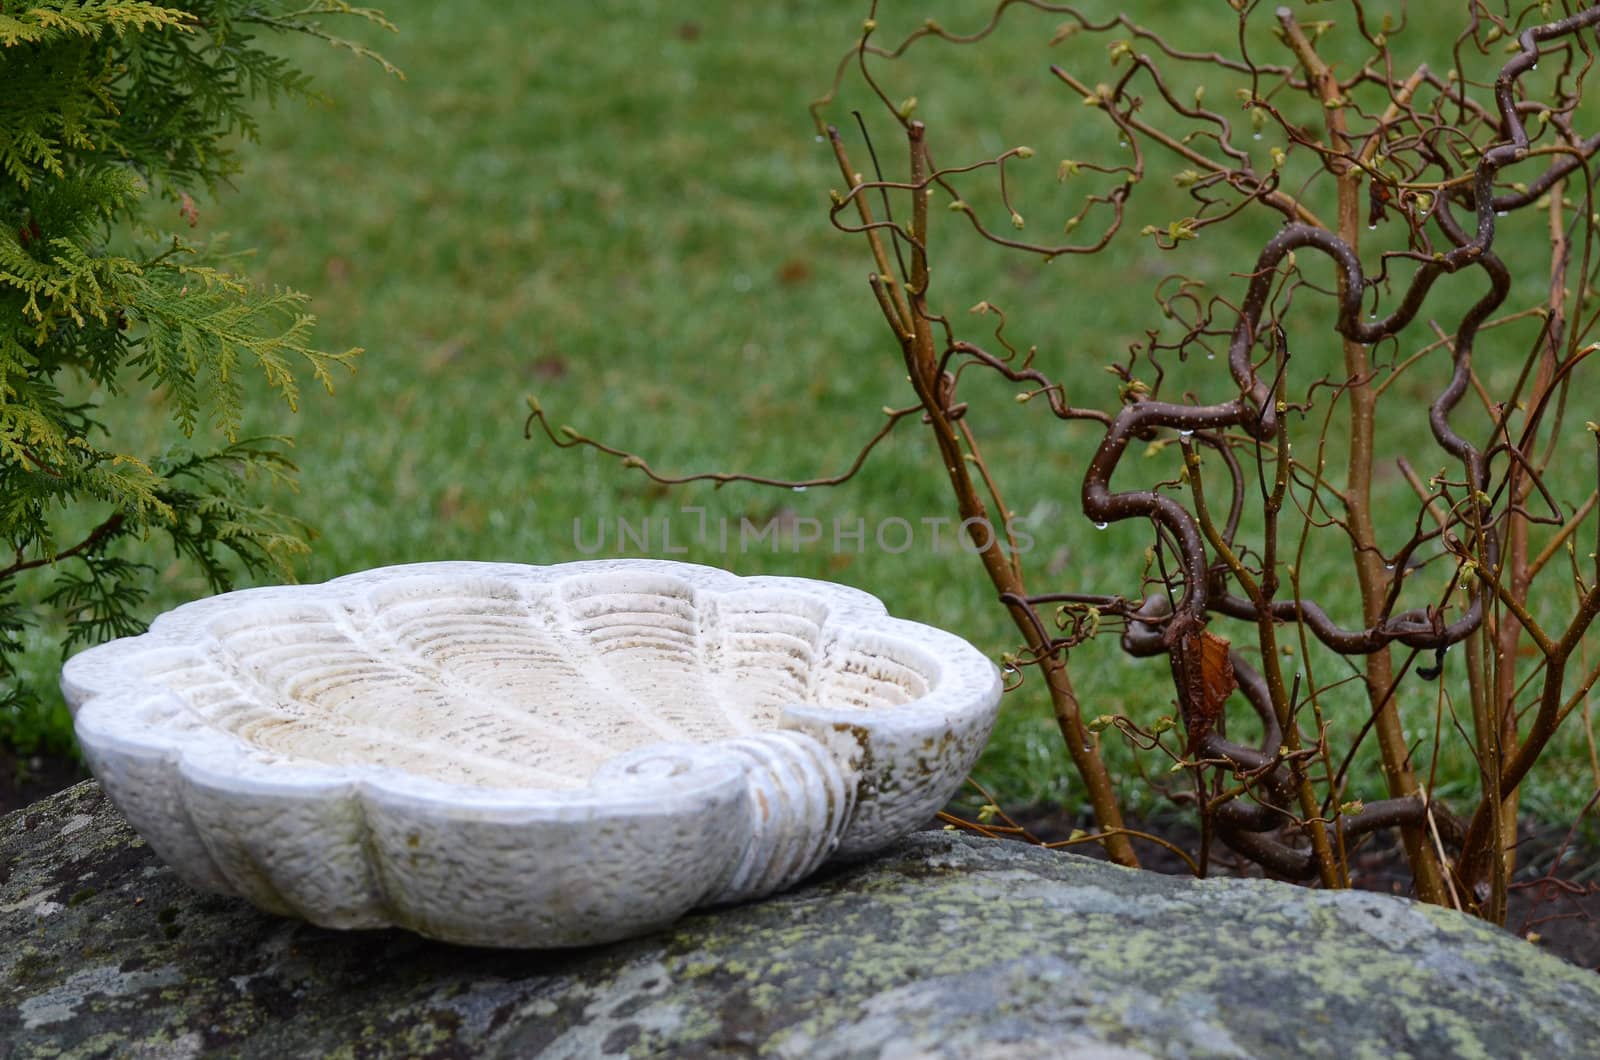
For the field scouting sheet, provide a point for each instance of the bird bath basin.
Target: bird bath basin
(507, 755)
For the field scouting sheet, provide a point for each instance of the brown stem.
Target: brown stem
(1370, 573)
(922, 358)
(1267, 634)
(96, 537)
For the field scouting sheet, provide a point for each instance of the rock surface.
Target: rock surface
(946, 946)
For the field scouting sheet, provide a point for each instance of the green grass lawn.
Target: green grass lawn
(622, 209)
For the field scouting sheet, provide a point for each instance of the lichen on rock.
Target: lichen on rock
(945, 946)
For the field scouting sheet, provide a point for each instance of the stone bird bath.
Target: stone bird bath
(507, 755)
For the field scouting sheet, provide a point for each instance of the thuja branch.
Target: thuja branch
(106, 532)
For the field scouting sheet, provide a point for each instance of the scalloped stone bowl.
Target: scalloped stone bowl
(507, 755)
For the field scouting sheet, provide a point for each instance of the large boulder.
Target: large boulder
(944, 946)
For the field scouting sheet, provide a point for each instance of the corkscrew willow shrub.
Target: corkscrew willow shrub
(1380, 330)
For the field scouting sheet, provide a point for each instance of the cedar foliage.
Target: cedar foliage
(110, 109)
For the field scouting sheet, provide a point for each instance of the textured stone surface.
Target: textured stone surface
(945, 946)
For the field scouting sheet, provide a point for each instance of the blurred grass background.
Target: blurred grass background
(622, 209)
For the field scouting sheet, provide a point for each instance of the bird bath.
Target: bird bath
(508, 755)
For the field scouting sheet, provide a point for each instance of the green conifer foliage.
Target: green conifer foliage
(106, 109)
